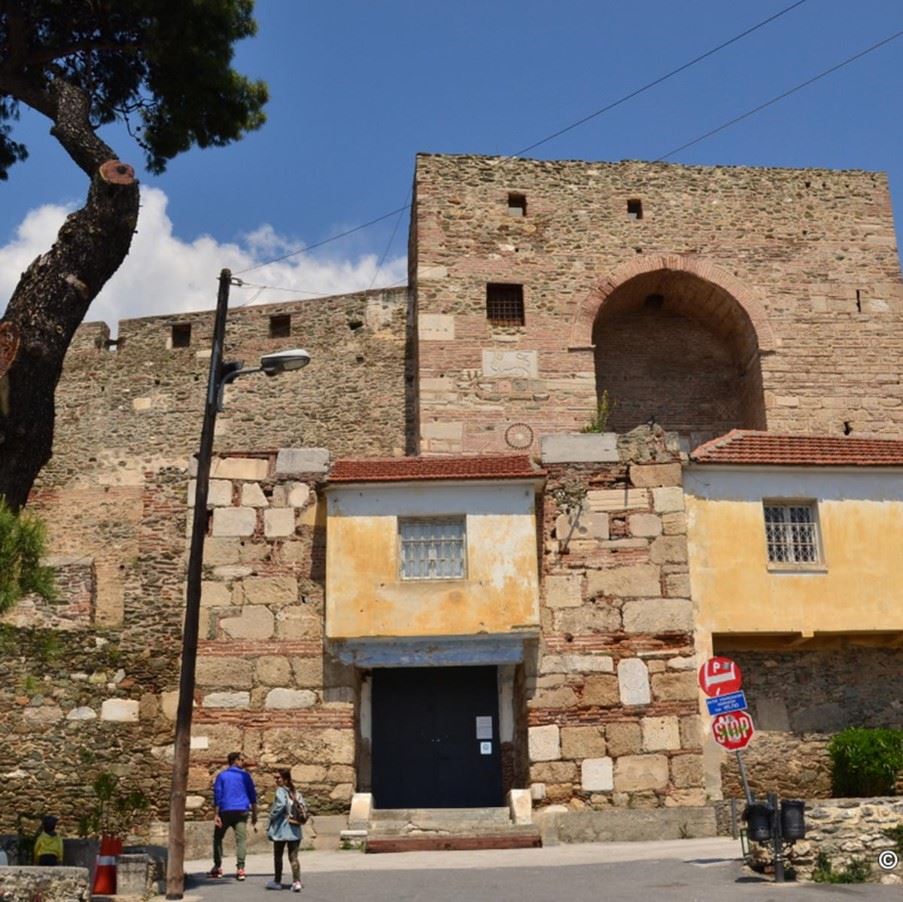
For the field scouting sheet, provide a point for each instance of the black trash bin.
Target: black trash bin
(793, 820)
(758, 818)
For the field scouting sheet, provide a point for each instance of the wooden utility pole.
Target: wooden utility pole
(175, 868)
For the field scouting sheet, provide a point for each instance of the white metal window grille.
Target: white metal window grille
(791, 531)
(432, 549)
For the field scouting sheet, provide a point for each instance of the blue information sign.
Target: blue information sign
(724, 704)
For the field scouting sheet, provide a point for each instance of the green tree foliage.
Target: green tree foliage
(164, 68)
(865, 761)
(22, 540)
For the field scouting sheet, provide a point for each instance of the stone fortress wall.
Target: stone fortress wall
(741, 297)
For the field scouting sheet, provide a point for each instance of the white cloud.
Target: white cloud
(163, 274)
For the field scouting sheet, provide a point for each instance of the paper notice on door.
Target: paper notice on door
(485, 748)
(484, 728)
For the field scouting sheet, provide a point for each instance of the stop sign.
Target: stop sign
(720, 676)
(733, 731)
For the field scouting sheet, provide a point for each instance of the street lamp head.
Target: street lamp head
(283, 361)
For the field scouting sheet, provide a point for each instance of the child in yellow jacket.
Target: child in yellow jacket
(48, 846)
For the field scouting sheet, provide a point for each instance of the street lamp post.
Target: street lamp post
(220, 374)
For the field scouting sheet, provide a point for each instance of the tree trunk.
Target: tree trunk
(54, 294)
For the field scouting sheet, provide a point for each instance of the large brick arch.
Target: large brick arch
(748, 306)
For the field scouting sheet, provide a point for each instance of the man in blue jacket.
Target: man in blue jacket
(234, 800)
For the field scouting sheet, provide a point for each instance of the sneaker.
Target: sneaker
(296, 886)
(215, 872)
(273, 884)
(240, 874)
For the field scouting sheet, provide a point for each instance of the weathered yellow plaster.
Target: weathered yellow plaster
(366, 597)
(859, 586)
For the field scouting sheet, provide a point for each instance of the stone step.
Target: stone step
(514, 838)
(438, 820)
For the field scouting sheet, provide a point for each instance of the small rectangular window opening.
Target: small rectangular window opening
(280, 325)
(181, 335)
(505, 304)
(791, 532)
(433, 549)
(517, 204)
(634, 209)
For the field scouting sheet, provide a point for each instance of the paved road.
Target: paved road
(674, 871)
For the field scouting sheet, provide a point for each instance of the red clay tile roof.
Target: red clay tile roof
(403, 469)
(743, 446)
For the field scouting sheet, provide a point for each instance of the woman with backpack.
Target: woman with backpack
(285, 829)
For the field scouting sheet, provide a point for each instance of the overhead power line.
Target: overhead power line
(660, 79)
(567, 128)
(768, 103)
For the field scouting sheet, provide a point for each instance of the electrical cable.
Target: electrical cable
(548, 138)
(382, 259)
(774, 100)
(660, 79)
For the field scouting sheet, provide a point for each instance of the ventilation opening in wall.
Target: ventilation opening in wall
(517, 204)
(280, 325)
(181, 335)
(505, 304)
(634, 209)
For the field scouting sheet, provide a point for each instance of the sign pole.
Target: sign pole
(743, 778)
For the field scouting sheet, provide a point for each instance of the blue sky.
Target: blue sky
(358, 88)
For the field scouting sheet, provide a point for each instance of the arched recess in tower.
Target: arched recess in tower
(674, 347)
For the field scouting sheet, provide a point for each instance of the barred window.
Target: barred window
(791, 531)
(505, 304)
(432, 549)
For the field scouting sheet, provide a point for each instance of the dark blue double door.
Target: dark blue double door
(436, 737)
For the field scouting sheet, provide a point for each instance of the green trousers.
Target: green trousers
(238, 821)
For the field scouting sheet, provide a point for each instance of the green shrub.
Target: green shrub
(22, 542)
(604, 408)
(866, 761)
(857, 871)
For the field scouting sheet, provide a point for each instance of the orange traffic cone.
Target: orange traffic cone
(105, 872)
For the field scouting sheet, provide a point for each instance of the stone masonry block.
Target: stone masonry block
(637, 580)
(687, 770)
(273, 670)
(589, 448)
(644, 525)
(219, 492)
(227, 700)
(436, 326)
(583, 525)
(601, 689)
(674, 686)
(231, 673)
(649, 475)
(582, 742)
(234, 521)
(633, 681)
(260, 590)
(544, 743)
(290, 698)
(660, 733)
(301, 461)
(667, 500)
(252, 496)
(254, 622)
(120, 710)
(668, 549)
(564, 591)
(675, 523)
(588, 664)
(250, 468)
(279, 522)
(214, 594)
(617, 499)
(658, 615)
(639, 772)
(623, 738)
(597, 775)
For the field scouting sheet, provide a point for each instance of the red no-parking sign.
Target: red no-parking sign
(733, 731)
(720, 676)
